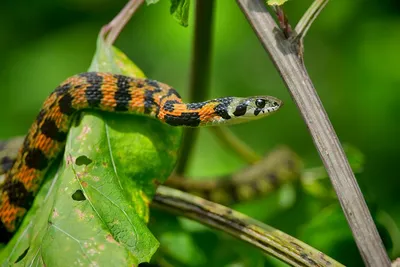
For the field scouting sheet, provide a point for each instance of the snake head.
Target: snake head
(254, 107)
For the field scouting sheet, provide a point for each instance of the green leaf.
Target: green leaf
(111, 59)
(94, 207)
(276, 2)
(180, 11)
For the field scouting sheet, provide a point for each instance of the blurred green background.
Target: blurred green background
(351, 53)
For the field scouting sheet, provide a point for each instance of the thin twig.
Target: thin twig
(232, 142)
(283, 21)
(308, 18)
(114, 28)
(200, 73)
(331, 152)
(269, 240)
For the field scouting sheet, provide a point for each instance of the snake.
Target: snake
(109, 92)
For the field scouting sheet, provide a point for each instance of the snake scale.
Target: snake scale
(114, 93)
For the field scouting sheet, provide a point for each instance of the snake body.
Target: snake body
(114, 93)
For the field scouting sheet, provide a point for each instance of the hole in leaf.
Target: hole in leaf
(83, 160)
(78, 195)
(146, 264)
(22, 256)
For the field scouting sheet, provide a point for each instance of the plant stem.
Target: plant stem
(232, 142)
(200, 74)
(325, 139)
(114, 28)
(308, 18)
(269, 240)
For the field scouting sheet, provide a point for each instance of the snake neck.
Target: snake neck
(207, 113)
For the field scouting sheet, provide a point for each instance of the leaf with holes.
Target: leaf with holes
(93, 209)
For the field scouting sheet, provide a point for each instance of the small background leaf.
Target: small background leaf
(180, 11)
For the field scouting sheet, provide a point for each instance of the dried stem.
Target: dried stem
(200, 73)
(269, 240)
(294, 74)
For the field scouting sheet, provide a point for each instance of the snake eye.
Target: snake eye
(260, 103)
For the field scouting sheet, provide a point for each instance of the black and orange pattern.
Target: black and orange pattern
(109, 92)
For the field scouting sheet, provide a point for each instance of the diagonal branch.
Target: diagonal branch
(269, 240)
(294, 74)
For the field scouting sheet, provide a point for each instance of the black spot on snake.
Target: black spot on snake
(169, 105)
(36, 159)
(240, 110)
(232, 190)
(62, 89)
(122, 96)
(93, 91)
(171, 92)
(6, 163)
(272, 178)
(290, 164)
(40, 116)
(50, 129)
(254, 186)
(194, 106)
(149, 99)
(3, 145)
(78, 195)
(83, 160)
(152, 83)
(65, 104)
(222, 111)
(17, 193)
(257, 111)
(225, 100)
(22, 256)
(185, 119)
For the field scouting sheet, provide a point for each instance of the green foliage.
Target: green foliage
(354, 72)
(179, 10)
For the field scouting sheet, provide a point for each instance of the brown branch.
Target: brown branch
(269, 240)
(294, 74)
